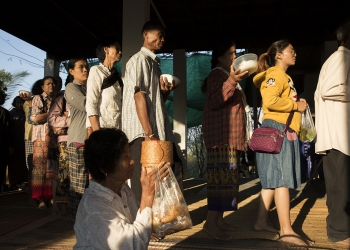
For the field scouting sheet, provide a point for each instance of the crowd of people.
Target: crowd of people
(81, 145)
(224, 133)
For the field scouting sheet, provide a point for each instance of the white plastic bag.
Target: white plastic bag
(170, 212)
(249, 123)
(308, 130)
(247, 115)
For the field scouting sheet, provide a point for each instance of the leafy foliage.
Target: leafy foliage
(9, 80)
(196, 151)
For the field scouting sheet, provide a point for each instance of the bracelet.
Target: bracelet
(150, 136)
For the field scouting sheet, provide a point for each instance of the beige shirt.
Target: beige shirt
(107, 103)
(107, 221)
(332, 104)
(143, 70)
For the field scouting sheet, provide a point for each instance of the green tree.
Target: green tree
(9, 80)
(196, 152)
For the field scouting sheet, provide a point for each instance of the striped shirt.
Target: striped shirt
(143, 70)
(40, 131)
(223, 116)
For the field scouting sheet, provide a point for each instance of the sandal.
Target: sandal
(306, 241)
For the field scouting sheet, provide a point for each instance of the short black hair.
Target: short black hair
(103, 150)
(151, 25)
(110, 42)
(17, 101)
(343, 31)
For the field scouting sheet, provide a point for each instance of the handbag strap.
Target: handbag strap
(289, 119)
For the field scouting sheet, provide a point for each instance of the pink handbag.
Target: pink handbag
(268, 139)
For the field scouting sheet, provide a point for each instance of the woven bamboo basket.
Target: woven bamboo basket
(155, 151)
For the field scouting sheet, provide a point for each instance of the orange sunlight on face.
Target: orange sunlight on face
(80, 71)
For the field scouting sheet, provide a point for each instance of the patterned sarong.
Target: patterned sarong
(62, 190)
(222, 178)
(40, 185)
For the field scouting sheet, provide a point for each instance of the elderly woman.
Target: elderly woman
(104, 88)
(224, 135)
(41, 185)
(109, 217)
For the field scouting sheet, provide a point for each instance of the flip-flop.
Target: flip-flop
(306, 241)
(212, 235)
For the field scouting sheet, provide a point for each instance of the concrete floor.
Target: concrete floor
(308, 213)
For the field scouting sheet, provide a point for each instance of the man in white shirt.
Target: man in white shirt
(332, 106)
(144, 115)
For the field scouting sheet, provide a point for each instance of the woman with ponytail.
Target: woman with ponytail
(279, 172)
(224, 134)
(75, 95)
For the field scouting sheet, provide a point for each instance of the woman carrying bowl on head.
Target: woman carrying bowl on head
(75, 95)
(41, 184)
(224, 134)
(279, 172)
(104, 88)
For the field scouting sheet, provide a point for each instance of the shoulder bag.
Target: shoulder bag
(267, 139)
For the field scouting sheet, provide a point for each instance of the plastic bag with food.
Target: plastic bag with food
(308, 130)
(170, 212)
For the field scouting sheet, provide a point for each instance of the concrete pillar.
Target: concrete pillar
(180, 106)
(135, 14)
(51, 67)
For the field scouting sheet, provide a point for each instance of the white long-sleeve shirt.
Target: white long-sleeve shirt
(332, 104)
(107, 103)
(107, 221)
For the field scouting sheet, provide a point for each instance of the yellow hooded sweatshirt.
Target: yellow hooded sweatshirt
(279, 96)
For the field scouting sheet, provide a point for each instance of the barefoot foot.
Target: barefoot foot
(227, 227)
(215, 232)
(41, 204)
(345, 242)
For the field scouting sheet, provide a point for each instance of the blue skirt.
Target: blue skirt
(283, 169)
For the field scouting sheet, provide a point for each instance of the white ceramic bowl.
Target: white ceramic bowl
(246, 62)
(25, 92)
(171, 78)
